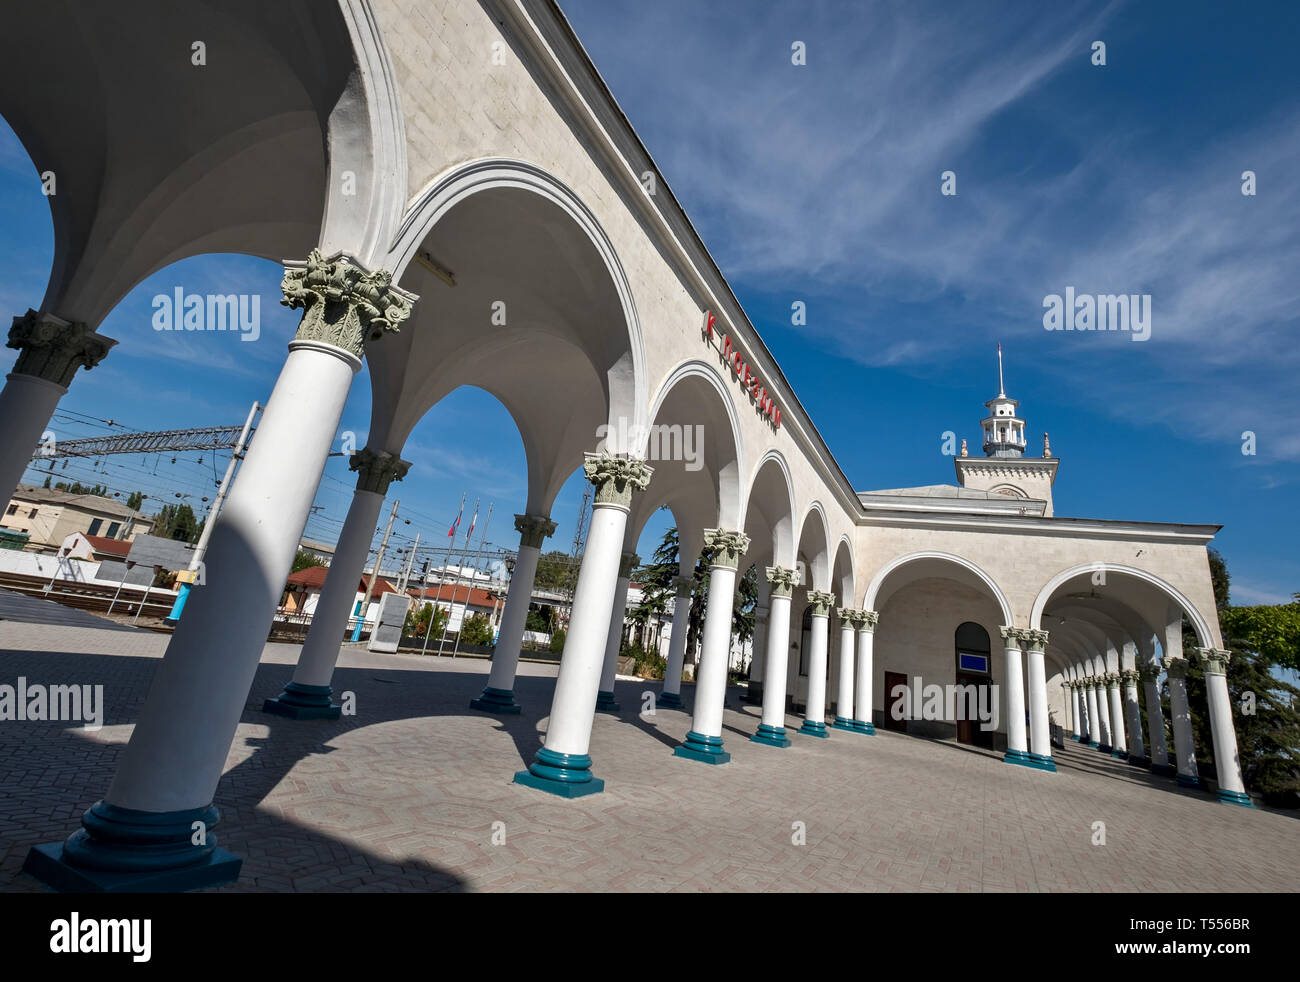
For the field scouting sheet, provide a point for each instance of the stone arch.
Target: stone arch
(622, 364)
(1205, 637)
(940, 561)
(770, 494)
(844, 575)
(814, 531)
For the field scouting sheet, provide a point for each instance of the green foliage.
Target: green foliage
(305, 559)
(539, 620)
(176, 522)
(476, 629)
(133, 501)
(1272, 632)
(556, 571)
(76, 487)
(417, 621)
(557, 641)
(646, 664)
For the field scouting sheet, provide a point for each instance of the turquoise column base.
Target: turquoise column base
(1094, 744)
(814, 728)
(1164, 770)
(122, 850)
(843, 724)
(1016, 757)
(174, 617)
(770, 736)
(1234, 798)
(706, 749)
(1143, 762)
(1119, 754)
(501, 701)
(1104, 748)
(566, 775)
(1187, 782)
(1042, 762)
(864, 726)
(669, 700)
(299, 701)
(605, 702)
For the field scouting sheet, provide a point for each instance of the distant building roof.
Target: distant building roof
(86, 502)
(313, 578)
(114, 547)
(453, 594)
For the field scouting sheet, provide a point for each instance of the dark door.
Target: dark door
(969, 730)
(892, 681)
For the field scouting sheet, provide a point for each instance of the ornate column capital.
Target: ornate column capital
(847, 614)
(343, 304)
(821, 603)
(1175, 666)
(1130, 676)
(533, 530)
(1112, 679)
(1149, 671)
(1012, 636)
(616, 478)
(627, 564)
(783, 580)
(1215, 660)
(725, 546)
(376, 469)
(868, 620)
(1035, 640)
(52, 349)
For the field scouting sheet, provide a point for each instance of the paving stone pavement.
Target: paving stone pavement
(404, 795)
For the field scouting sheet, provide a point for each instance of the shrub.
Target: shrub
(557, 641)
(476, 630)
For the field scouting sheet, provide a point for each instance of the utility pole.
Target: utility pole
(410, 562)
(374, 574)
(190, 575)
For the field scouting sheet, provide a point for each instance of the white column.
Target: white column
(704, 740)
(1017, 746)
(1103, 715)
(757, 661)
(1094, 720)
(308, 695)
(605, 702)
(814, 722)
(50, 352)
(1227, 762)
(499, 694)
(562, 766)
(1118, 743)
(1040, 734)
(844, 697)
(1184, 742)
(864, 696)
(771, 730)
(671, 697)
(1075, 729)
(1137, 753)
(1155, 720)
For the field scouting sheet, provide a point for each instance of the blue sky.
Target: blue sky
(821, 183)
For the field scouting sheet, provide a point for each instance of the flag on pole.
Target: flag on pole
(472, 522)
(451, 532)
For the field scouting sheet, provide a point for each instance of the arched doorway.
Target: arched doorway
(974, 669)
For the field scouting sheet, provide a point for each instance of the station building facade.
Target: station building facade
(457, 199)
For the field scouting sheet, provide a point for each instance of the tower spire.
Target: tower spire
(1002, 389)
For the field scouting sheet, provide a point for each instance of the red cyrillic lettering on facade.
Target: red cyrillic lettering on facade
(776, 417)
(726, 346)
(743, 371)
(709, 321)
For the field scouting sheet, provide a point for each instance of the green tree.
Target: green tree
(476, 629)
(1264, 640)
(134, 501)
(557, 641)
(418, 619)
(176, 522)
(76, 487)
(556, 571)
(305, 559)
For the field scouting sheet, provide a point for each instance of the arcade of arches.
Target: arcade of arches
(418, 189)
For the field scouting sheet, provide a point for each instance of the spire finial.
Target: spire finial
(1002, 389)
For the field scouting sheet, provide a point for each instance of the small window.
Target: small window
(13, 509)
(32, 513)
(112, 529)
(94, 527)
